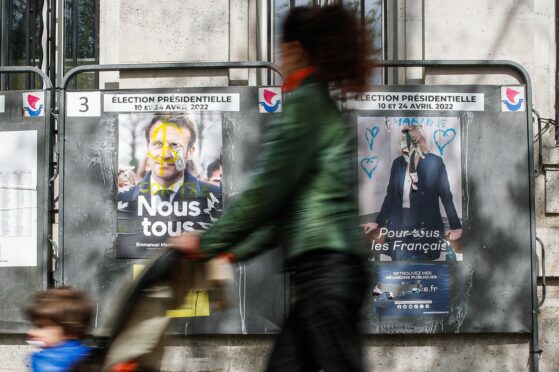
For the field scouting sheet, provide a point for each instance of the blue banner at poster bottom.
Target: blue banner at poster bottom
(411, 289)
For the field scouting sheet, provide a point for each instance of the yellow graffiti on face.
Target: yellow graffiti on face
(165, 149)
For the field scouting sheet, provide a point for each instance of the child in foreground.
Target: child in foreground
(60, 317)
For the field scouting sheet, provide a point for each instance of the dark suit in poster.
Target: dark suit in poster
(144, 226)
(422, 222)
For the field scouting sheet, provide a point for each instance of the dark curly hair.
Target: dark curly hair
(335, 41)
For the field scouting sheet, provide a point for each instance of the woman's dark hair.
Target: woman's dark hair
(335, 41)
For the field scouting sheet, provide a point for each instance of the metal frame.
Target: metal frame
(70, 75)
(556, 68)
(539, 167)
(4, 58)
(535, 350)
(47, 223)
(75, 17)
(507, 65)
(543, 271)
(73, 31)
(32, 38)
(50, 51)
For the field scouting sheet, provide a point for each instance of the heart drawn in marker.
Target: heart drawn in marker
(369, 165)
(443, 137)
(370, 135)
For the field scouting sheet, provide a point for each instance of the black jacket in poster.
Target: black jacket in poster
(144, 226)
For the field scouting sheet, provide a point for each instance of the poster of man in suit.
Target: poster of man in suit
(169, 178)
(410, 187)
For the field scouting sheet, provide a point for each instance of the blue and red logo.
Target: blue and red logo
(269, 100)
(513, 98)
(33, 104)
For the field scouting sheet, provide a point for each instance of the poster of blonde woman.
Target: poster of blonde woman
(410, 187)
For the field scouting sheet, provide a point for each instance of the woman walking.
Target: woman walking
(304, 192)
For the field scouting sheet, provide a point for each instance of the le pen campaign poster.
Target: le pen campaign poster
(410, 187)
(169, 178)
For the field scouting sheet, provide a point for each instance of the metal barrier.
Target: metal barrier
(507, 65)
(44, 194)
(525, 79)
(93, 208)
(130, 67)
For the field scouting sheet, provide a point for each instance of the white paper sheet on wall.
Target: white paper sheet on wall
(18, 198)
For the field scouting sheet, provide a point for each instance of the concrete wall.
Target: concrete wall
(179, 31)
(226, 30)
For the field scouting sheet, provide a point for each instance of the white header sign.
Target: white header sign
(171, 102)
(416, 101)
(83, 104)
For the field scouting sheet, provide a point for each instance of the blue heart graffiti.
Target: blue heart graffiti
(448, 135)
(370, 135)
(369, 165)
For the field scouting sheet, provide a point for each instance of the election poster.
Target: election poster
(143, 166)
(407, 290)
(410, 187)
(169, 178)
